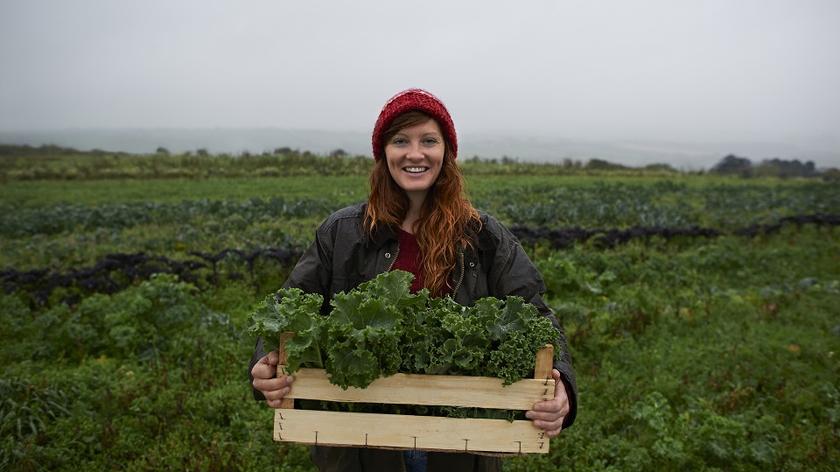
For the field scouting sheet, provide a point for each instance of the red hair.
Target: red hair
(447, 219)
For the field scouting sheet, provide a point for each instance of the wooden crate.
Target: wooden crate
(330, 428)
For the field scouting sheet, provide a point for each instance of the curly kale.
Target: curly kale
(380, 328)
(364, 328)
(291, 311)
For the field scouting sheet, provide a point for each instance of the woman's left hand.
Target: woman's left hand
(549, 415)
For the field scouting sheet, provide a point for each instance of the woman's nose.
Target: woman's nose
(414, 151)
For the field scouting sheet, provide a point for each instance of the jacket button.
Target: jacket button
(387, 255)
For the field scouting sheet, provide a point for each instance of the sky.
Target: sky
(673, 71)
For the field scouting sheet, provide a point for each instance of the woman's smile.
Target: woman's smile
(415, 157)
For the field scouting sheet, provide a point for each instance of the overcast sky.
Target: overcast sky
(705, 70)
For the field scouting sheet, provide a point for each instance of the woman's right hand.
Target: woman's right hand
(273, 387)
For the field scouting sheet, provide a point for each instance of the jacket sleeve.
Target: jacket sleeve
(312, 274)
(513, 273)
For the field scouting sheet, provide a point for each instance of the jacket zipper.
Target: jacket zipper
(460, 279)
(396, 253)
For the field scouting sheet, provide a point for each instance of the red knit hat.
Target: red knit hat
(408, 100)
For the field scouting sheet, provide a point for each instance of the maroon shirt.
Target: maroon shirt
(408, 258)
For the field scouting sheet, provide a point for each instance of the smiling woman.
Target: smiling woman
(430, 205)
(414, 153)
(417, 219)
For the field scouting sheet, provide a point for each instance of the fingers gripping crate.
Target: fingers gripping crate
(330, 428)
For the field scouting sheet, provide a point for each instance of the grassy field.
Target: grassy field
(701, 353)
(354, 187)
(94, 192)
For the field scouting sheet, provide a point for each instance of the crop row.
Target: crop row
(663, 204)
(116, 271)
(606, 238)
(69, 217)
(615, 204)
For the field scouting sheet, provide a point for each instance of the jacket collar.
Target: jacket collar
(381, 235)
(386, 233)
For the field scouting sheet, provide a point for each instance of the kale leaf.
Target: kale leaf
(291, 311)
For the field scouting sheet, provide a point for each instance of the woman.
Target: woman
(417, 219)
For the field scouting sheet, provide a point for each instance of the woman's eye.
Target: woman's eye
(430, 141)
(398, 141)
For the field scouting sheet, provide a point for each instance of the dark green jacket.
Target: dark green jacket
(343, 256)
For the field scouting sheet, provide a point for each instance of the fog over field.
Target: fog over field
(633, 82)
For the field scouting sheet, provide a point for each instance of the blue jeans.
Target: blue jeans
(415, 461)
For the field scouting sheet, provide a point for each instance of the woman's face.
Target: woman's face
(415, 157)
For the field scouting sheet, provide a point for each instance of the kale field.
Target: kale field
(702, 312)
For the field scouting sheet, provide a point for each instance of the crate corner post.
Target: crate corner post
(286, 403)
(544, 363)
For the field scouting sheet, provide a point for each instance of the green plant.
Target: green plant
(380, 328)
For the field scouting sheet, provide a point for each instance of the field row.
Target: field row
(662, 204)
(115, 272)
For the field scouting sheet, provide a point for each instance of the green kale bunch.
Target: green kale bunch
(496, 338)
(380, 328)
(364, 330)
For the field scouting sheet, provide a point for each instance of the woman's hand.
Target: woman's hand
(549, 415)
(273, 388)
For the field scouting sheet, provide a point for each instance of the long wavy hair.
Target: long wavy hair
(447, 219)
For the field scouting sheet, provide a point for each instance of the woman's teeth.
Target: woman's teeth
(416, 170)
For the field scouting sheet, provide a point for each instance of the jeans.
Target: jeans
(415, 461)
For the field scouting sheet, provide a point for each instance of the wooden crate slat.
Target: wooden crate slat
(545, 362)
(415, 389)
(407, 431)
